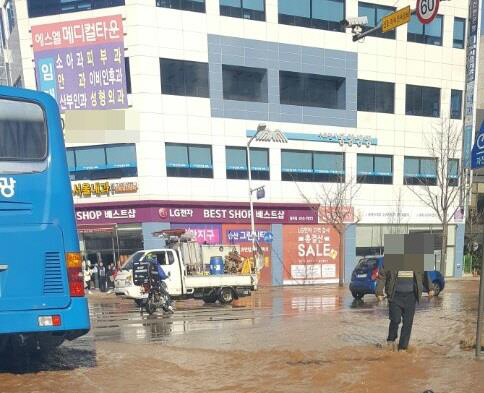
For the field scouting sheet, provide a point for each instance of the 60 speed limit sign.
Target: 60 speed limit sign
(427, 10)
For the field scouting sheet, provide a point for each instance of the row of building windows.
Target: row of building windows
(189, 78)
(191, 160)
(319, 14)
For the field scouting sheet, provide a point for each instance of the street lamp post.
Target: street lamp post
(263, 134)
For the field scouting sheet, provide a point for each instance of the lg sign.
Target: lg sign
(168, 213)
(427, 10)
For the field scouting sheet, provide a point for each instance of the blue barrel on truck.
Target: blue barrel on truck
(216, 265)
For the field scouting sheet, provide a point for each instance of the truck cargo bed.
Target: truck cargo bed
(222, 280)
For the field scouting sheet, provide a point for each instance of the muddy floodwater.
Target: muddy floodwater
(302, 339)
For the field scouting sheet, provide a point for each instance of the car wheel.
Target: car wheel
(436, 288)
(225, 295)
(357, 295)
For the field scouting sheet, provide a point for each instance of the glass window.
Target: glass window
(102, 162)
(236, 162)
(312, 90)
(91, 158)
(184, 78)
(2, 31)
(311, 166)
(244, 83)
(176, 156)
(9, 8)
(188, 160)
(23, 134)
(71, 161)
(186, 5)
(247, 9)
(376, 96)
(319, 14)
(128, 75)
(54, 7)
(420, 171)
(422, 101)
(121, 156)
(375, 14)
(425, 34)
(200, 156)
(459, 33)
(453, 172)
(374, 169)
(456, 104)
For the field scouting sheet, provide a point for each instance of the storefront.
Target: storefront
(297, 250)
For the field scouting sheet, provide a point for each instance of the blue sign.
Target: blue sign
(342, 139)
(477, 156)
(268, 237)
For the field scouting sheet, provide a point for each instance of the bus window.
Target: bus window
(23, 134)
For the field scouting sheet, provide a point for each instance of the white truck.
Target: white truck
(186, 263)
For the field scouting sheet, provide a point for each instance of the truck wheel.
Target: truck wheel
(226, 295)
(436, 288)
(210, 297)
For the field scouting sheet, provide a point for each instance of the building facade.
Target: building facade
(202, 74)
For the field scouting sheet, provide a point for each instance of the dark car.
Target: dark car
(365, 275)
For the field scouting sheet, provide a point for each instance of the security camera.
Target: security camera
(353, 22)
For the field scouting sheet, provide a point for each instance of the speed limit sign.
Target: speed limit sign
(427, 10)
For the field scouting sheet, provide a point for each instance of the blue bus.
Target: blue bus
(42, 300)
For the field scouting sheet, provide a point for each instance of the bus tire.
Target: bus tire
(226, 295)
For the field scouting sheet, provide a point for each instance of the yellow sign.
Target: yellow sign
(88, 189)
(396, 19)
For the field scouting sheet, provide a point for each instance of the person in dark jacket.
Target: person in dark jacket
(403, 289)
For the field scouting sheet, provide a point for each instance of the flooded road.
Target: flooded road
(304, 339)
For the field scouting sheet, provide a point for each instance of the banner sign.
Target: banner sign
(203, 233)
(81, 63)
(470, 87)
(310, 254)
(194, 213)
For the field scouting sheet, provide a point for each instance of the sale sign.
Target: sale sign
(81, 63)
(311, 254)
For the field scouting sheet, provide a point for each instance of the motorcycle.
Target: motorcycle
(157, 299)
(145, 275)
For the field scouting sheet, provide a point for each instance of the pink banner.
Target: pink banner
(73, 34)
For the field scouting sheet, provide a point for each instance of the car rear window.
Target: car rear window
(23, 133)
(366, 263)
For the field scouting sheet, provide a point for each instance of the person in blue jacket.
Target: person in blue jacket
(163, 276)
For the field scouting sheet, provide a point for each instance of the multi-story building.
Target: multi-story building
(202, 74)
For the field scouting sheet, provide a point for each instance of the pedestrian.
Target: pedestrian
(95, 273)
(403, 289)
(110, 276)
(87, 277)
(102, 278)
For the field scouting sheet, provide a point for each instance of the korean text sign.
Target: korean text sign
(310, 254)
(81, 63)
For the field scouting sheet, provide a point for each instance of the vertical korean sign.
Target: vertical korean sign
(471, 86)
(81, 63)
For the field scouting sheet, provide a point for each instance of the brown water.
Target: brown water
(312, 339)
